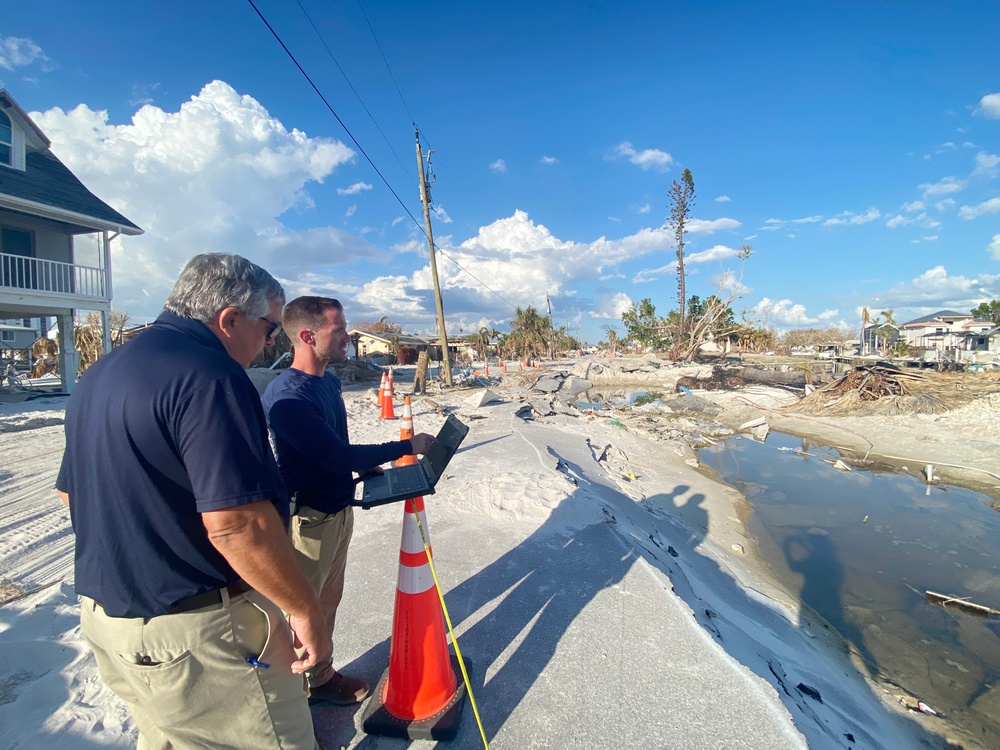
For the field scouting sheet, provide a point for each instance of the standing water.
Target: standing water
(861, 548)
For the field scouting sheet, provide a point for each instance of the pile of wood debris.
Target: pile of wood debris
(882, 388)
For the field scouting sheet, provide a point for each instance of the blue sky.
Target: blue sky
(853, 145)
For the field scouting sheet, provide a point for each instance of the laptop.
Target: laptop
(419, 479)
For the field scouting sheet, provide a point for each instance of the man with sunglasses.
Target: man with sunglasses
(308, 420)
(183, 563)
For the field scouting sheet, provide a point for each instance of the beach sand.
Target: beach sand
(601, 581)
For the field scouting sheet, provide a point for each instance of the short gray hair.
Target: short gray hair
(213, 281)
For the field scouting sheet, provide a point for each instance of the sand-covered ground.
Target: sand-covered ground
(603, 581)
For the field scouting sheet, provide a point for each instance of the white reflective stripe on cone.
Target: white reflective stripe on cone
(415, 580)
(411, 543)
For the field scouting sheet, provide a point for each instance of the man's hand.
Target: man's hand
(421, 443)
(312, 634)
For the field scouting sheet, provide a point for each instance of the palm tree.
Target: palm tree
(528, 332)
(885, 330)
(612, 338)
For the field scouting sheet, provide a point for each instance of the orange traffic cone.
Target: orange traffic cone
(387, 411)
(503, 367)
(392, 388)
(406, 426)
(486, 369)
(419, 696)
(381, 391)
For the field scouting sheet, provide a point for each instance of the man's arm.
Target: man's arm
(64, 497)
(253, 540)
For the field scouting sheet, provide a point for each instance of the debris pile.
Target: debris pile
(882, 388)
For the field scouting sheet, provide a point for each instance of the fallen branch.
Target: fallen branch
(966, 606)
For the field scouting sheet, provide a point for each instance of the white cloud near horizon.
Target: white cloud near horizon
(935, 290)
(20, 52)
(716, 253)
(649, 158)
(518, 259)
(611, 307)
(989, 106)
(783, 312)
(183, 176)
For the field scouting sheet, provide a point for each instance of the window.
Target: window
(6, 335)
(6, 140)
(16, 267)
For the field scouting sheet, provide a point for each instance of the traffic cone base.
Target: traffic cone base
(442, 726)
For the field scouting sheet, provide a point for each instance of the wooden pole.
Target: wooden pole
(425, 201)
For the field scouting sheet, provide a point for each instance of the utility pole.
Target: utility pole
(552, 330)
(425, 199)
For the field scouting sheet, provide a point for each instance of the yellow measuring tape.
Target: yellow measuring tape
(451, 630)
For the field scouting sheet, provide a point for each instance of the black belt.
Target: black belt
(208, 598)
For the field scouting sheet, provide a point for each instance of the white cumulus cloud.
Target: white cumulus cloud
(849, 217)
(944, 186)
(19, 52)
(611, 306)
(499, 166)
(989, 106)
(994, 248)
(986, 164)
(648, 158)
(991, 206)
(783, 312)
(213, 176)
(354, 189)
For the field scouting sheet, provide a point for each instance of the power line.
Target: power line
(332, 111)
(329, 107)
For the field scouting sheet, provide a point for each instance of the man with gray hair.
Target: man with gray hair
(183, 563)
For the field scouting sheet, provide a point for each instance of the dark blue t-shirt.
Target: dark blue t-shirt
(160, 430)
(308, 420)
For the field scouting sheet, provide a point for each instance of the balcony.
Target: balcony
(51, 282)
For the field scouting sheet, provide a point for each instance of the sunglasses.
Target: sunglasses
(275, 327)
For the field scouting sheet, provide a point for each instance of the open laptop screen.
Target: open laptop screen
(447, 442)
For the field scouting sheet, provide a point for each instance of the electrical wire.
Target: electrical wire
(347, 130)
(332, 111)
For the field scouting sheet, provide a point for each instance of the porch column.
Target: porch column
(69, 357)
(106, 331)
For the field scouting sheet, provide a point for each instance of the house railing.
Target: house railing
(52, 276)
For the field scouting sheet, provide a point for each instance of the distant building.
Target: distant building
(44, 210)
(945, 330)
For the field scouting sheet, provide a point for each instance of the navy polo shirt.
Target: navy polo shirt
(308, 420)
(158, 431)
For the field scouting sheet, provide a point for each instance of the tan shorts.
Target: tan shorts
(186, 680)
(321, 541)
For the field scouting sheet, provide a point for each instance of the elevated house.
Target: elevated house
(946, 330)
(55, 237)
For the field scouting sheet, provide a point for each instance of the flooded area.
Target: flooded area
(861, 548)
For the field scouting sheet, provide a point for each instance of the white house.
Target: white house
(944, 330)
(55, 236)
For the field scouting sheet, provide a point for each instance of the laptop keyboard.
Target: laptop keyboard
(404, 481)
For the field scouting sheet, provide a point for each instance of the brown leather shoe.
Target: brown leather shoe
(341, 690)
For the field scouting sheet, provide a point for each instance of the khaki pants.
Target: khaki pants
(321, 541)
(186, 680)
